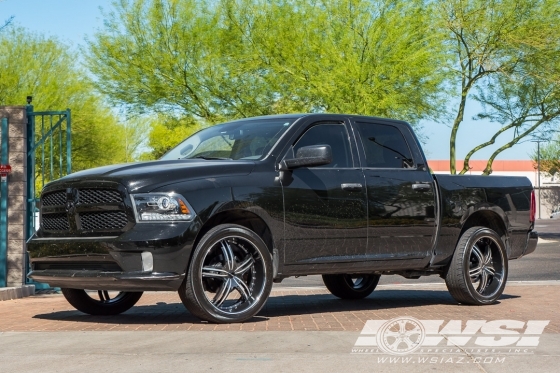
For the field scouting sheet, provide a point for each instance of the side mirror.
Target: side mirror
(308, 156)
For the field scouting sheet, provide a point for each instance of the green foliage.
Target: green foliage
(166, 133)
(500, 49)
(31, 64)
(208, 61)
(549, 157)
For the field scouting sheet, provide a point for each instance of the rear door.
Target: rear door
(400, 191)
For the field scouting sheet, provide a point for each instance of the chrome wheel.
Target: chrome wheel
(229, 277)
(358, 282)
(351, 286)
(101, 302)
(486, 266)
(232, 274)
(104, 296)
(478, 270)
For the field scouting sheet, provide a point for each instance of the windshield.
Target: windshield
(250, 139)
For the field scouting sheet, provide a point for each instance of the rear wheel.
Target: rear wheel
(479, 268)
(347, 286)
(101, 302)
(230, 275)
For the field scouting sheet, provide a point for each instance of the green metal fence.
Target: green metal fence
(3, 206)
(49, 155)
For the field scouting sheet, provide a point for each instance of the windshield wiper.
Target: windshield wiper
(210, 158)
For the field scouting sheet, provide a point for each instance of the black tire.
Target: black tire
(351, 286)
(105, 305)
(478, 271)
(222, 290)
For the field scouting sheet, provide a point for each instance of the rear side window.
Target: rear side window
(334, 135)
(384, 146)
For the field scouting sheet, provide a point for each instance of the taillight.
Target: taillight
(533, 207)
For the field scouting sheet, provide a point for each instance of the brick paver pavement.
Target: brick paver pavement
(287, 310)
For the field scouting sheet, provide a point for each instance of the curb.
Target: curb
(16, 292)
(424, 285)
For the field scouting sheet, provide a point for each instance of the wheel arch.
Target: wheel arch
(488, 219)
(485, 218)
(245, 218)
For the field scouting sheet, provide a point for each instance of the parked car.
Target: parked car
(555, 213)
(238, 206)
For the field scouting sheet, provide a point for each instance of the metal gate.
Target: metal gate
(3, 203)
(49, 156)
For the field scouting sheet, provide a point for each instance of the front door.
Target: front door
(325, 207)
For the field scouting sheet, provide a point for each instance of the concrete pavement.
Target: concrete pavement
(301, 330)
(236, 351)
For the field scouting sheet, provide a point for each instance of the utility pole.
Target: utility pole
(539, 171)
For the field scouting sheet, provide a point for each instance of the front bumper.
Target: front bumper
(98, 280)
(147, 257)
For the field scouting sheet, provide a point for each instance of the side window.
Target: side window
(334, 135)
(384, 146)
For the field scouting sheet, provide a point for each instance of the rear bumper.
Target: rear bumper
(531, 243)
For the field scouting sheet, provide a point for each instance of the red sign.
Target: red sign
(5, 169)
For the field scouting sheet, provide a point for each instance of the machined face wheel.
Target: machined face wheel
(229, 277)
(478, 270)
(358, 282)
(101, 302)
(232, 275)
(486, 266)
(104, 296)
(351, 286)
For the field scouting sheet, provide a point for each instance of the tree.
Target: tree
(165, 133)
(498, 43)
(31, 64)
(6, 23)
(363, 57)
(206, 61)
(528, 105)
(549, 157)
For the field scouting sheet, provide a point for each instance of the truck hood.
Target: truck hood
(143, 177)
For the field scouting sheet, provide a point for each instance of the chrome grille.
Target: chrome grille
(97, 196)
(55, 222)
(54, 199)
(106, 220)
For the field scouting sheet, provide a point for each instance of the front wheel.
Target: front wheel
(351, 286)
(479, 268)
(230, 275)
(101, 302)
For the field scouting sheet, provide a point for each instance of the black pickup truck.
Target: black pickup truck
(238, 206)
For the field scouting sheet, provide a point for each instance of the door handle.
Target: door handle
(352, 187)
(421, 187)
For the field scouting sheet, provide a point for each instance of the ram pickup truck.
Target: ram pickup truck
(240, 205)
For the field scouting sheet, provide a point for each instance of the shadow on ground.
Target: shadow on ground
(277, 306)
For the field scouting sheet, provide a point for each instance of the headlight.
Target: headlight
(161, 207)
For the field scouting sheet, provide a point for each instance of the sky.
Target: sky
(73, 20)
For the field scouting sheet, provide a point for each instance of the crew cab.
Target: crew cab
(240, 205)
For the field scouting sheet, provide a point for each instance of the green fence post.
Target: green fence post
(68, 143)
(4, 207)
(30, 171)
